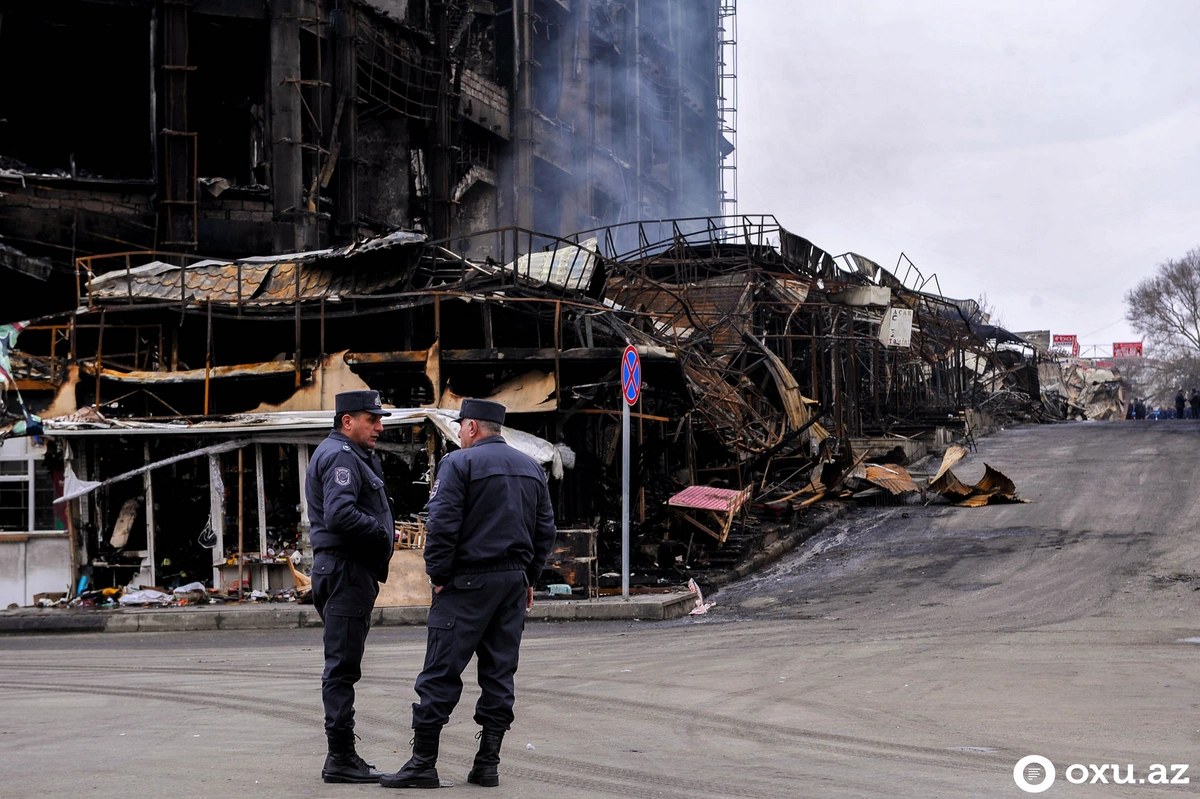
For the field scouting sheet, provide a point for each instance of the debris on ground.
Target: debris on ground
(701, 606)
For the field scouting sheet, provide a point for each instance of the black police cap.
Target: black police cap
(481, 411)
(355, 401)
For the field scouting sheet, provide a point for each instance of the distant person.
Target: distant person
(1129, 410)
(1139, 409)
(1180, 404)
(1195, 401)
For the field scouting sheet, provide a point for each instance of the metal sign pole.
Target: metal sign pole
(625, 501)
(631, 389)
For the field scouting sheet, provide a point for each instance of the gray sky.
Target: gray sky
(1046, 154)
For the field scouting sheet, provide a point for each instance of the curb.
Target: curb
(661, 607)
(131, 620)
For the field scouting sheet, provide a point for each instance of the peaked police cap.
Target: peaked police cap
(355, 401)
(481, 411)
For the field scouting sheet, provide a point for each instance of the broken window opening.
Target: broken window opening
(76, 109)
(226, 99)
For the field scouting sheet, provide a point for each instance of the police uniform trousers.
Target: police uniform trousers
(477, 614)
(344, 595)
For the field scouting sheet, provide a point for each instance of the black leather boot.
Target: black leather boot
(343, 764)
(421, 769)
(486, 771)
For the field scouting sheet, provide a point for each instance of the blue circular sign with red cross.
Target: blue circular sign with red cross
(631, 375)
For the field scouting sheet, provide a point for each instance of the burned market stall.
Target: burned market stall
(221, 502)
(771, 372)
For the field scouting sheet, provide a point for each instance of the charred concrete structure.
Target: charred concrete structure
(771, 370)
(253, 206)
(236, 128)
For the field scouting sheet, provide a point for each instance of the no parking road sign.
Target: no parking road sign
(631, 375)
(631, 389)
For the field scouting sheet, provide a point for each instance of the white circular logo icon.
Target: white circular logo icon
(1033, 774)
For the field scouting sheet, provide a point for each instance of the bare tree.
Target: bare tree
(1165, 308)
(1157, 379)
(990, 315)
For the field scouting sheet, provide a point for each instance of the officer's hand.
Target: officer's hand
(437, 589)
(529, 601)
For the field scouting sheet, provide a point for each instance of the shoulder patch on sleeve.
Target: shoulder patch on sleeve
(433, 493)
(341, 476)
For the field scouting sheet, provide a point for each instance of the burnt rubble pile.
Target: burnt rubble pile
(775, 376)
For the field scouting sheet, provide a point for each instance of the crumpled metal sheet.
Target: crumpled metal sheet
(993, 488)
(271, 279)
(895, 479)
(569, 266)
(953, 455)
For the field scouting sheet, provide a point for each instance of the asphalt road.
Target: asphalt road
(890, 656)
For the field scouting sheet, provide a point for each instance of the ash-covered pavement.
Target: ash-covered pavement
(887, 656)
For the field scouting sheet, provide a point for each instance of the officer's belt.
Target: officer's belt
(344, 554)
(488, 567)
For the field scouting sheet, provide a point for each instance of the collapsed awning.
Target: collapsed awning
(294, 427)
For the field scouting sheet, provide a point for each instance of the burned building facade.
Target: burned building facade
(147, 133)
(236, 128)
(177, 406)
(252, 206)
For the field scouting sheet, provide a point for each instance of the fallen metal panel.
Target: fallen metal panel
(863, 295)
(709, 498)
(895, 479)
(569, 266)
(994, 486)
(87, 423)
(270, 278)
(953, 455)
(995, 482)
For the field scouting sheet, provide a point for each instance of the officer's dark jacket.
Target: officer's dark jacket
(489, 511)
(348, 504)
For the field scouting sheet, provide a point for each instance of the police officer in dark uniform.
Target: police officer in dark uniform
(489, 533)
(352, 539)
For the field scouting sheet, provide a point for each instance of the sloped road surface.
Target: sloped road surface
(903, 652)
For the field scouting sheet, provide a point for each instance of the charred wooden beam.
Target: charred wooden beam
(489, 355)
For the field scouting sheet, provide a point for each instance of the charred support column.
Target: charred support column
(637, 109)
(583, 66)
(344, 24)
(439, 161)
(287, 163)
(179, 200)
(681, 201)
(524, 89)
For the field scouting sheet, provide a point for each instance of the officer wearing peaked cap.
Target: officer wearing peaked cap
(352, 538)
(489, 533)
